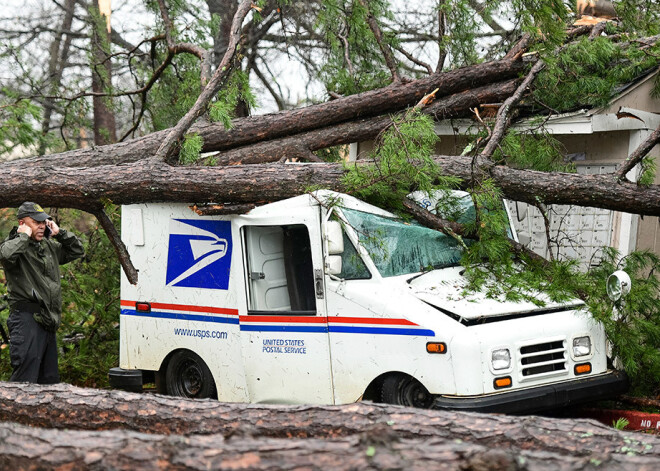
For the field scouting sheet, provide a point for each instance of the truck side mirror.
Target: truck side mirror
(333, 264)
(335, 237)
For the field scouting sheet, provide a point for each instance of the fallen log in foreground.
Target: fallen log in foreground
(65, 406)
(23, 447)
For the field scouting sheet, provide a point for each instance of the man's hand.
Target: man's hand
(22, 227)
(54, 228)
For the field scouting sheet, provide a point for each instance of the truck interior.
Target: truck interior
(280, 275)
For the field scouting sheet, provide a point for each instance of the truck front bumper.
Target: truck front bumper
(552, 396)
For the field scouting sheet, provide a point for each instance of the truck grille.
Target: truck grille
(543, 358)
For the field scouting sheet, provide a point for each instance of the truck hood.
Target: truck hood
(443, 289)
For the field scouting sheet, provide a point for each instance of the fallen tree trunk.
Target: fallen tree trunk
(266, 148)
(300, 145)
(389, 99)
(397, 431)
(255, 129)
(151, 181)
(154, 181)
(24, 447)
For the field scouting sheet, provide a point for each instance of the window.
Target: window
(280, 273)
(399, 248)
(352, 265)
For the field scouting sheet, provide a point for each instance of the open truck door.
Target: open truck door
(285, 332)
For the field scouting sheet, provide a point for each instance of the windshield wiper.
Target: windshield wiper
(430, 269)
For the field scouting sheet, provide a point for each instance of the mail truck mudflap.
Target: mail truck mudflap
(547, 397)
(128, 380)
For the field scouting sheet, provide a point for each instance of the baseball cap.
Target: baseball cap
(33, 210)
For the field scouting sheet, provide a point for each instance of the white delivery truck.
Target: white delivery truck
(325, 299)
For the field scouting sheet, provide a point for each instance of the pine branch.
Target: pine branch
(442, 31)
(504, 113)
(384, 48)
(169, 145)
(458, 231)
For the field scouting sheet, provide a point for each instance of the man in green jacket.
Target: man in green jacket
(31, 260)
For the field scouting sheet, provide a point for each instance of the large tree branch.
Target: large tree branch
(115, 239)
(390, 61)
(169, 146)
(254, 129)
(153, 181)
(150, 181)
(360, 130)
(501, 442)
(504, 113)
(63, 406)
(373, 103)
(638, 154)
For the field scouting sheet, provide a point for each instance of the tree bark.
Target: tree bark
(105, 129)
(151, 181)
(24, 447)
(271, 149)
(59, 54)
(112, 429)
(390, 99)
(300, 145)
(28, 448)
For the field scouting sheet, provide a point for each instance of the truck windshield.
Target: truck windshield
(400, 248)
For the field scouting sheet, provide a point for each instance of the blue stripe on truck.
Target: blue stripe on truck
(181, 316)
(339, 329)
(380, 331)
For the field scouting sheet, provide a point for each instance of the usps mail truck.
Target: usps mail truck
(325, 299)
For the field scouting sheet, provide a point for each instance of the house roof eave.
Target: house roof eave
(577, 122)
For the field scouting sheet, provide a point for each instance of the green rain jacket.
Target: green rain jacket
(33, 272)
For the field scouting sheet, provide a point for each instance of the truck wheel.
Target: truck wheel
(403, 390)
(188, 376)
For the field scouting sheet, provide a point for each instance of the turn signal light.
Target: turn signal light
(436, 347)
(143, 307)
(583, 369)
(500, 383)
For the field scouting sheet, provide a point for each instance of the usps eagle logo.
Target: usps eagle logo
(199, 254)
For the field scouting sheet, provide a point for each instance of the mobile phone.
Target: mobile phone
(47, 232)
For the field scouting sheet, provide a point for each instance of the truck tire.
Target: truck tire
(188, 376)
(403, 390)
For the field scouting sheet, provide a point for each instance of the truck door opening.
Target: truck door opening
(280, 272)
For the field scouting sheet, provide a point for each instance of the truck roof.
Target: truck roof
(320, 197)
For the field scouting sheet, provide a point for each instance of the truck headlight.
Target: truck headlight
(581, 346)
(500, 359)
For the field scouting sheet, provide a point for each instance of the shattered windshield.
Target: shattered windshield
(453, 206)
(400, 248)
